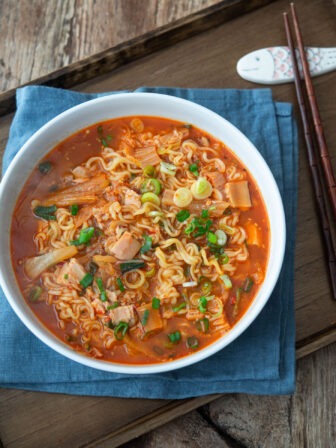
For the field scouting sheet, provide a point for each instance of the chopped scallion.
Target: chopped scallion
(179, 307)
(226, 280)
(84, 236)
(212, 238)
(120, 330)
(47, 213)
(248, 284)
(202, 325)
(192, 342)
(193, 168)
(175, 337)
(35, 293)
(182, 215)
(74, 209)
(202, 304)
(147, 245)
(120, 284)
(145, 317)
(156, 303)
(131, 265)
(86, 280)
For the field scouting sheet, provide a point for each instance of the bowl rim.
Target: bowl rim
(40, 330)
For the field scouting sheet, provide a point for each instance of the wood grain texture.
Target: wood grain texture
(47, 35)
(37, 419)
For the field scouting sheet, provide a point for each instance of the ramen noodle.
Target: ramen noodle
(140, 240)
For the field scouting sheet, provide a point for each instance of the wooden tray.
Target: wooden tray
(199, 51)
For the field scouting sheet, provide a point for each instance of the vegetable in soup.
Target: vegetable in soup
(140, 240)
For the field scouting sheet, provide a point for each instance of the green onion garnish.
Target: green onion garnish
(84, 237)
(202, 304)
(223, 258)
(193, 168)
(248, 284)
(202, 325)
(114, 305)
(206, 285)
(131, 264)
(74, 209)
(120, 284)
(147, 245)
(45, 167)
(145, 317)
(120, 330)
(205, 214)
(182, 215)
(35, 293)
(86, 280)
(212, 238)
(151, 185)
(179, 307)
(149, 171)
(239, 292)
(104, 139)
(192, 342)
(174, 337)
(156, 303)
(103, 296)
(47, 213)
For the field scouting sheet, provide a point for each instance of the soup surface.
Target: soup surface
(140, 240)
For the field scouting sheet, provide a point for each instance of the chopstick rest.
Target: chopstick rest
(274, 65)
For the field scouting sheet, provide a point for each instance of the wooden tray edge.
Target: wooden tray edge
(177, 408)
(158, 39)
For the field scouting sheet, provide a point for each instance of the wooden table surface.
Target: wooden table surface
(38, 36)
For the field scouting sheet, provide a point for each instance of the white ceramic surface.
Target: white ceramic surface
(121, 105)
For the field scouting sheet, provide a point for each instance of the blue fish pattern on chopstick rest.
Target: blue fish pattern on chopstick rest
(273, 65)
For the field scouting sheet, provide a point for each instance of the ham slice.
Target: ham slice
(126, 247)
(132, 198)
(125, 314)
(217, 180)
(167, 197)
(147, 156)
(71, 273)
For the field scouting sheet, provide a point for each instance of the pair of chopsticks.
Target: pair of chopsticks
(317, 150)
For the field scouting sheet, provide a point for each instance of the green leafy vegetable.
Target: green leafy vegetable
(147, 245)
(202, 325)
(47, 213)
(84, 237)
(179, 307)
(193, 168)
(74, 209)
(182, 215)
(131, 264)
(86, 280)
(175, 337)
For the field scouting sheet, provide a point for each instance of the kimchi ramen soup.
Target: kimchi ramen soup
(140, 240)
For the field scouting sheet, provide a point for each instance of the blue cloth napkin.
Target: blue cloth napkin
(262, 359)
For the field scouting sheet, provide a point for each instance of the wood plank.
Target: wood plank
(205, 66)
(70, 30)
(136, 48)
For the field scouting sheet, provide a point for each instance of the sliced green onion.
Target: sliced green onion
(149, 171)
(84, 237)
(120, 330)
(45, 167)
(131, 265)
(202, 304)
(212, 238)
(205, 214)
(120, 284)
(35, 293)
(145, 317)
(182, 197)
(156, 303)
(151, 185)
(202, 325)
(179, 307)
(224, 258)
(192, 342)
(238, 298)
(47, 213)
(103, 296)
(150, 197)
(182, 215)
(248, 284)
(226, 280)
(168, 168)
(175, 337)
(86, 280)
(74, 209)
(113, 306)
(221, 237)
(147, 245)
(193, 168)
(206, 286)
(201, 188)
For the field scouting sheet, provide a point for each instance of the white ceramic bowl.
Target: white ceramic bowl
(130, 104)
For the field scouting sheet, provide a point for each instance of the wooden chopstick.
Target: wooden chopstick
(322, 144)
(313, 164)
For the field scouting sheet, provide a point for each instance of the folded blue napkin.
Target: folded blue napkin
(262, 359)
